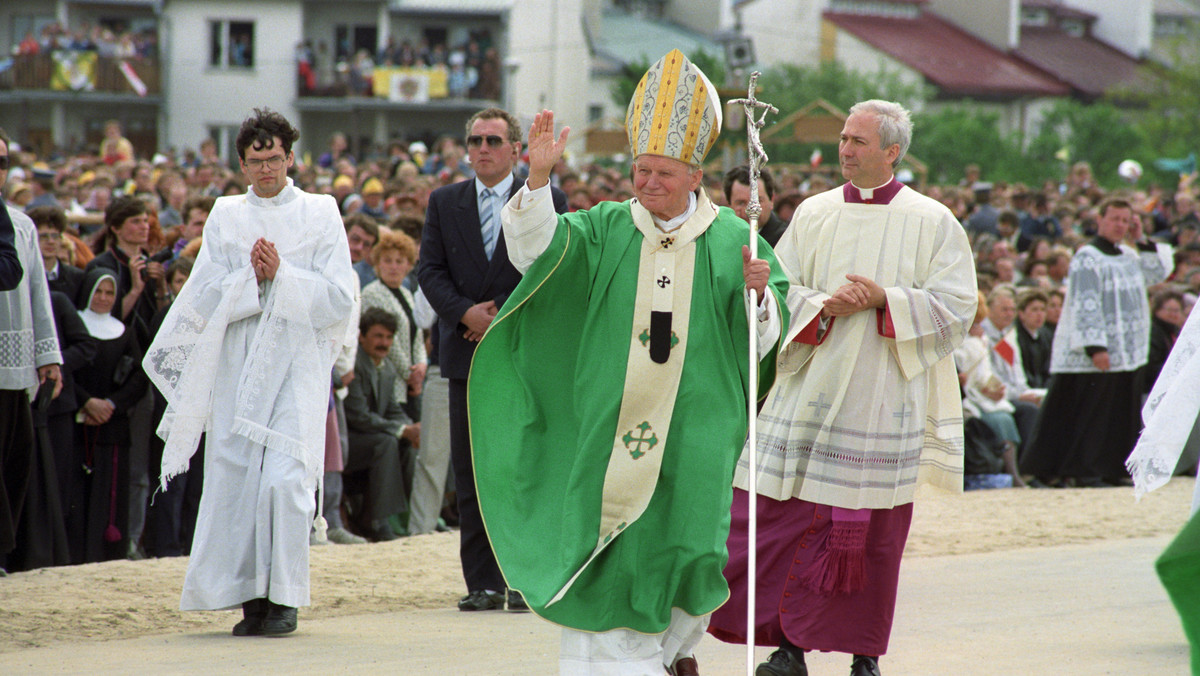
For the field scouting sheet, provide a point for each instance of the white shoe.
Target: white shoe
(342, 536)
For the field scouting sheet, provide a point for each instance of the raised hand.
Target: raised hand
(544, 150)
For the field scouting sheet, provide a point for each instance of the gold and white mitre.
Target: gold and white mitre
(674, 112)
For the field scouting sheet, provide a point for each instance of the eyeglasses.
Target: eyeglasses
(273, 163)
(493, 141)
(3, 162)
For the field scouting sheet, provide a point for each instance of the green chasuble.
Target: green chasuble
(1179, 570)
(545, 403)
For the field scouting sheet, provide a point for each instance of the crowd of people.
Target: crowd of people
(1081, 293)
(106, 41)
(472, 66)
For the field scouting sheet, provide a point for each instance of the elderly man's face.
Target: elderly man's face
(739, 200)
(1002, 310)
(863, 162)
(662, 184)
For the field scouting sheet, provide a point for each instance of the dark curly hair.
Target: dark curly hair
(262, 128)
(373, 316)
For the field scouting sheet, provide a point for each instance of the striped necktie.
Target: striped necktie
(486, 214)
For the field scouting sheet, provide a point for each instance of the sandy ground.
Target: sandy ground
(127, 599)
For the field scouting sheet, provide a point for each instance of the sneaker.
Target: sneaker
(342, 536)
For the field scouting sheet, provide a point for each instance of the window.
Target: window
(1035, 16)
(231, 44)
(225, 137)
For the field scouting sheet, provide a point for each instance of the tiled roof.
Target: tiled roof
(1089, 66)
(956, 62)
(625, 38)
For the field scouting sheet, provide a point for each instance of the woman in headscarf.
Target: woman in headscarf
(106, 389)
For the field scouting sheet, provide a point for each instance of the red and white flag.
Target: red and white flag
(132, 77)
(815, 158)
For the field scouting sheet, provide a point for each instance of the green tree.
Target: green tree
(1170, 96)
(954, 136)
(1098, 133)
(790, 87)
(623, 88)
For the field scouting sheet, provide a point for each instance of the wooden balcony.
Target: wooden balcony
(81, 72)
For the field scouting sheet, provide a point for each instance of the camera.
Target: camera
(160, 257)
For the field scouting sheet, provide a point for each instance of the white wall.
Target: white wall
(702, 16)
(1127, 25)
(859, 56)
(784, 31)
(996, 22)
(546, 38)
(198, 95)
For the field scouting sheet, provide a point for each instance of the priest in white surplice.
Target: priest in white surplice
(866, 406)
(245, 354)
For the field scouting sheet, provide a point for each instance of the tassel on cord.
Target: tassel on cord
(841, 568)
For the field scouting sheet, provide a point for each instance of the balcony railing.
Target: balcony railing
(420, 84)
(83, 71)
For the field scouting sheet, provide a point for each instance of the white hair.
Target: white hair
(895, 124)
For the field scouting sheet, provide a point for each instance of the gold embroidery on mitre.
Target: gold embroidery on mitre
(674, 112)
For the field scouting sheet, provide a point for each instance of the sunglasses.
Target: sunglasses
(3, 162)
(493, 141)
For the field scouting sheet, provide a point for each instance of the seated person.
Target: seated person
(983, 393)
(1000, 330)
(382, 435)
(1034, 339)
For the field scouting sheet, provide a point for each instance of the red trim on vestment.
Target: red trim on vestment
(882, 195)
(811, 334)
(883, 322)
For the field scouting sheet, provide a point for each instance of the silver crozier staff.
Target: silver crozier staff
(758, 157)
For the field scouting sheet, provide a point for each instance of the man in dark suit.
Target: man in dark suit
(737, 193)
(466, 276)
(381, 433)
(51, 223)
(1033, 338)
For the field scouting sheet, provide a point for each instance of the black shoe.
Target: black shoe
(782, 663)
(254, 612)
(516, 601)
(383, 533)
(280, 620)
(864, 665)
(482, 600)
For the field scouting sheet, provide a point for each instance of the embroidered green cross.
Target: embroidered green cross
(650, 441)
(645, 338)
(608, 538)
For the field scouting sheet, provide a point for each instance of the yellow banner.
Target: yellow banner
(381, 81)
(73, 71)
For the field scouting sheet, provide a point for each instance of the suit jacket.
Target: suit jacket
(69, 281)
(455, 272)
(773, 229)
(370, 407)
(1035, 354)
